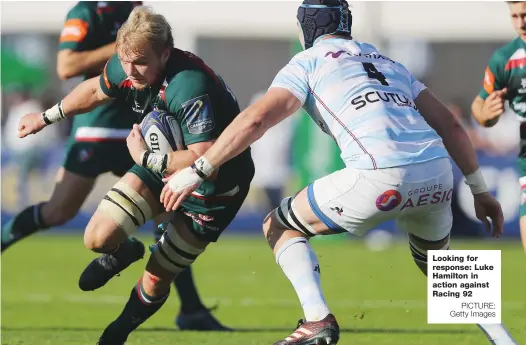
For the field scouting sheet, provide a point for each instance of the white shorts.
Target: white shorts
(418, 196)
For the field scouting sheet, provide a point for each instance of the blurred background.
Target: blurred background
(247, 43)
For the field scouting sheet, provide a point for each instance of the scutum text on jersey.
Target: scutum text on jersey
(400, 100)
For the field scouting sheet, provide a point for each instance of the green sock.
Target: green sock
(139, 308)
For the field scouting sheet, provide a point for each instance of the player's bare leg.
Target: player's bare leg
(173, 254)
(70, 192)
(287, 229)
(193, 315)
(128, 205)
(496, 333)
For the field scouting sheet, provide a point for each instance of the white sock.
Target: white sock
(300, 265)
(497, 334)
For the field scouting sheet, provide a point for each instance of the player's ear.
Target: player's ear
(166, 55)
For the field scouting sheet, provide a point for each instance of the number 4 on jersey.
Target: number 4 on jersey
(373, 73)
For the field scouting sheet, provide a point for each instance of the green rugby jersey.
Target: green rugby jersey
(90, 25)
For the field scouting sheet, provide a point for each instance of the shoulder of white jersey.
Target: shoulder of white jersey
(303, 55)
(305, 59)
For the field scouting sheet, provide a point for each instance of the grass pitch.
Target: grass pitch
(378, 297)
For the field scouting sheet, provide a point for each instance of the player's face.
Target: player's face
(518, 18)
(143, 68)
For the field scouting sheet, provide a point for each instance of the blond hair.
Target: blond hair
(144, 27)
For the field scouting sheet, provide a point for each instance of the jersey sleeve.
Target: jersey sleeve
(188, 98)
(112, 78)
(493, 75)
(294, 78)
(78, 28)
(416, 87)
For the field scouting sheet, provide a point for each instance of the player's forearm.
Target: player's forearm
(276, 105)
(476, 109)
(85, 97)
(246, 128)
(460, 148)
(179, 160)
(71, 64)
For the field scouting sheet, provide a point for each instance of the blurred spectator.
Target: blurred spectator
(271, 156)
(27, 153)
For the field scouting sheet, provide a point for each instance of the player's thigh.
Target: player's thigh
(429, 224)
(344, 201)
(69, 193)
(128, 204)
(208, 216)
(426, 207)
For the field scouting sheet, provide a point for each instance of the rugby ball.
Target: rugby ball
(161, 132)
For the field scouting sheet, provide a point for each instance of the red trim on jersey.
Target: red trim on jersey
(197, 60)
(107, 9)
(126, 83)
(345, 127)
(515, 63)
(162, 92)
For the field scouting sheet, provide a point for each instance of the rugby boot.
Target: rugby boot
(200, 320)
(106, 339)
(106, 266)
(323, 332)
(103, 341)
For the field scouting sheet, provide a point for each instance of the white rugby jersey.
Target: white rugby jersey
(364, 100)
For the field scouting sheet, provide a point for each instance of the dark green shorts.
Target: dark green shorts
(91, 159)
(521, 167)
(206, 215)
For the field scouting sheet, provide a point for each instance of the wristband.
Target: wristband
(156, 162)
(203, 168)
(476, 182)
(54, 114)
(144, 158)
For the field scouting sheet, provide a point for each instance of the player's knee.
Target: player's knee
(103, 234)
(269, 222)
(172, 254)
(95, 234)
